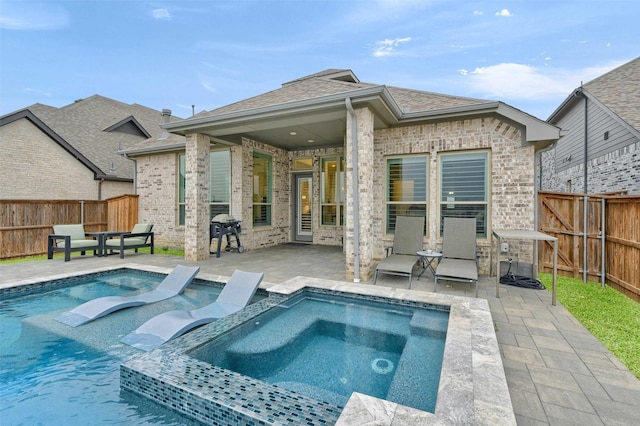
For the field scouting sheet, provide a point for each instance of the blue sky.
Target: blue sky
(175, 54)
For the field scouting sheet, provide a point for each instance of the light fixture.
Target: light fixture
(292, 133)
(310, 141)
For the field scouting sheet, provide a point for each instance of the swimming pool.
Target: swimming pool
(472, 387)
(54, 374)
(328, 347)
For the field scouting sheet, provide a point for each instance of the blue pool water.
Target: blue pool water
(47, 377)
(328, 347)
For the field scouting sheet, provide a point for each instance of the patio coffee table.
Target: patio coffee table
(427, 257)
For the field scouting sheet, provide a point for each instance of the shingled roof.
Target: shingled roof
(619, 90)
(335, 81)
(94, 129)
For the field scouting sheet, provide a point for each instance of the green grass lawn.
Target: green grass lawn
(157, 250)
(610, 316)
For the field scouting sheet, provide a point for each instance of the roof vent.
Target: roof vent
(166, 114)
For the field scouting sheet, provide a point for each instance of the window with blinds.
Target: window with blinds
(406, 192)
(262, 177)
(332, 191)
(464, 188)
(219, 186)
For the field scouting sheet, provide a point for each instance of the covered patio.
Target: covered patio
(557, 372)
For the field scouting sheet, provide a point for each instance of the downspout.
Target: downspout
(356, 192)
(135, 172)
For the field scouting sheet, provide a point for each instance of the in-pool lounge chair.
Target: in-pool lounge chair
(458, 262)
(407, 242)
(171, 286)
(140, 236)
(235, 295)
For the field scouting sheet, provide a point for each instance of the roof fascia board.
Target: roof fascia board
(536, 129)
(612, 114)
(154, 150)
(564, 106)
(28, 115)
(132, 119)
(304, 106)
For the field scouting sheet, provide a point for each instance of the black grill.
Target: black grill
(225, 225)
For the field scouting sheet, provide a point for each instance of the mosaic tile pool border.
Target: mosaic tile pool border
(472, 385)
(57, 283)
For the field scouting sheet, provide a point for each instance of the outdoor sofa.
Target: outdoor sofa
(68, 238)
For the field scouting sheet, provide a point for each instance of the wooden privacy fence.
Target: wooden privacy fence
(25, 224)
(602, 245)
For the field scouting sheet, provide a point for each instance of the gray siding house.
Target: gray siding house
(600, 124)
(73, 152)
(328, 159)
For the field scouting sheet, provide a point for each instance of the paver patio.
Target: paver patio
(557, 372)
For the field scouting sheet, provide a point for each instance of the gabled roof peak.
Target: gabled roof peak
(336, 74)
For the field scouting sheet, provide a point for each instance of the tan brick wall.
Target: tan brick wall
(511, 193)
(36, 167)
(157, 198)
(511, 168)
(280, 229)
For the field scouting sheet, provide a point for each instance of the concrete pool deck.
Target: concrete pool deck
(556, 371)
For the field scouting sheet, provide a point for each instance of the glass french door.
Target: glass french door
(303, 229)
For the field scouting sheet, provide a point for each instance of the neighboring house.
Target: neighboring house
(327, 159)
(73, 152)
(600, 124)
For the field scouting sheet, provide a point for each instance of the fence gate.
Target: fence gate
(603, 224)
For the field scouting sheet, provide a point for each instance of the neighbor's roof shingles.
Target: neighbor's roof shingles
(83, 125)
(619, 90)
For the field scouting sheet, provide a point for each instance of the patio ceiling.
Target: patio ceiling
(313, 123)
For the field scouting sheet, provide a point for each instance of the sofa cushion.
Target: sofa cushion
(128, 242)
(140, 228)
(76, 232)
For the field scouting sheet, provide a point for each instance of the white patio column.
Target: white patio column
(196, 224)
(364, 144)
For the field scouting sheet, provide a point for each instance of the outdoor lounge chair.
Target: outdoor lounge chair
(458, 261)
(68, 238)
(407, 242)
(171, 286)
(140, 236)
(235, 295)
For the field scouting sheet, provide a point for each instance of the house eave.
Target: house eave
(153, 150)
(323, 107)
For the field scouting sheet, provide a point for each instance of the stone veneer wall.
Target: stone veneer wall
(511, 168)
(618, 170)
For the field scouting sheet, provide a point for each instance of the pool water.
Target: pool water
(48, 378)
(328, 347)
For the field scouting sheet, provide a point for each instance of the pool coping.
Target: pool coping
(472, 390)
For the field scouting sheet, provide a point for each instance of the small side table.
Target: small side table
(427, 259)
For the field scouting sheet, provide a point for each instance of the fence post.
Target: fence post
(82, 212)
(585, 229)
(603, 235)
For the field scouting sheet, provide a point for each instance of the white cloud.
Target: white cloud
(208, 87)
(519, 81)
(387, 47)
(32, 16)
(504, 12)
(38, 92)
(478, 12)
(161, 14)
